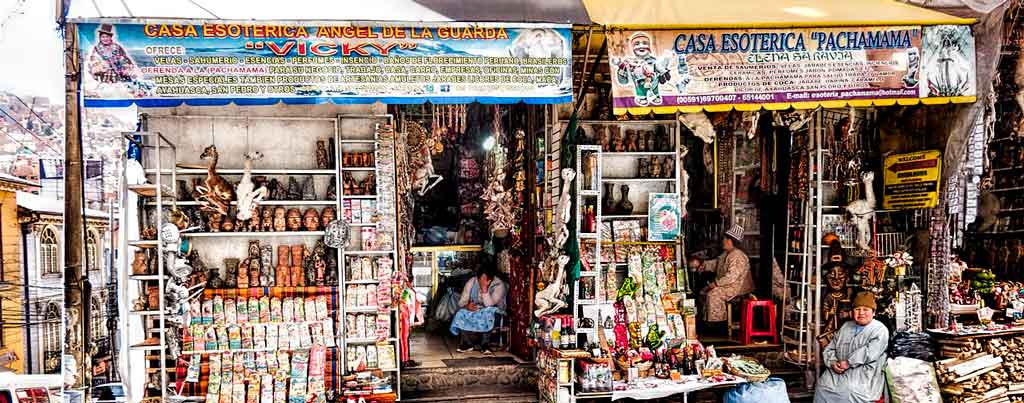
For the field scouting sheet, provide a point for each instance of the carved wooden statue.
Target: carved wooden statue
(216, 193)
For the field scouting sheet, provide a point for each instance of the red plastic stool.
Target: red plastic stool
(766, 314)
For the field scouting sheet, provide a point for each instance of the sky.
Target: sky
(32, 61)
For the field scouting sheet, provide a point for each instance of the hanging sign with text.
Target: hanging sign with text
(695, 68)
(912, 180)
(246, 63)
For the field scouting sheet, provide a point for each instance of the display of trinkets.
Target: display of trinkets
(357, 159)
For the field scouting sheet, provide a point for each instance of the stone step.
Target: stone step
(475, 394)
(423, 380)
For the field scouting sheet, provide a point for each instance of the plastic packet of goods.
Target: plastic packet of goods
(211, 337)
(234, 337)
(283, 338)
(259, 336)
(275, 310)
(305, 338)
(329, 335)
(321, 308)
(213, 382)
(207, 317)
(371, 356)
(218, 309)
(300, 310)
(192, 374)
(254, 310)
(371, 326)
(242, 306)
(266, 388)
(261, 362)
(223, 339)
(253, 396)
(316, 331)
(265, 309)
(247, 336)
(271, 336)
(288, 310)
(310, 309)
(230, 313)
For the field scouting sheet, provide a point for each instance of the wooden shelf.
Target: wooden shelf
(240, 171)
(367, 252)
(357, 169)
(362, 282)
(147, 244)
(637, 180)
(636, 153)
(263, 203)
(358, 196)
(155, 347)
(147, 190)
(147, 277)
(250, 234)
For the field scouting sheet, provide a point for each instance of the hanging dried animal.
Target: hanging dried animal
(423, 178)
(863, 211)
(248, 197)
(699, 125)
(550, 299)
(216, 192)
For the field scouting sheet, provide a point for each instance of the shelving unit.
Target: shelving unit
(621, 166)
(223, 245)
(383, 148)
(157, 319)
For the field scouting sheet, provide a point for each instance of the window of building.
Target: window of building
(49, 262)
(92, 249)
(51, 338)
(97, 319)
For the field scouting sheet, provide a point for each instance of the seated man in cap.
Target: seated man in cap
(732, 276)
(855, 358)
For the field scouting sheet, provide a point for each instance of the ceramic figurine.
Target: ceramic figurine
(280, 222)
(655, 168)
(213, 279)
(311, 220)
(181, 191)
(197, 217)
(651, 139)
(153, 298)
(320, 262)
(332, 191)
(298, 277)
(267, 220)
(215, 222)
(231, 272)
(255, 263)
(370, 184)
(346, 159)
(308, 189)
(631, 140)
(327, 216)
(321, 155)
(331, 270)
(253, 224)
(370, 159)
(608, 204)
(139, 265)
(644, 168)
(266, 266)
(294, 190)
(601, 132)
(645, 137)
(294, 220)
(228, 225)
(668, 167)
(277, 190)
(349, 188)
(282, 273)
(662, 140)
(243, 273)
(625, 206)
(309, 269)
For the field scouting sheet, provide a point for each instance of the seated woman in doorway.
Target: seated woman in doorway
(855, 358)
(732, 277)
(482, 298)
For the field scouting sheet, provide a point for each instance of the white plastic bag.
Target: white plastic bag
(912, 381)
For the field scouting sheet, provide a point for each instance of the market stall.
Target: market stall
(697, 126)
(267, 187)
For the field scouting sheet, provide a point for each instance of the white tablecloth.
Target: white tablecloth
(655, 388)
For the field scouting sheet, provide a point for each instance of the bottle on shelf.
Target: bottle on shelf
(556, 334)
(572, 338)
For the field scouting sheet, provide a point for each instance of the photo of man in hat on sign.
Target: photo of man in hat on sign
(108, 61)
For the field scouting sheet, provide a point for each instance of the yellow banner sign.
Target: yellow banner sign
(912, 180)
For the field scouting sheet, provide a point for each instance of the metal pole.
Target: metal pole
(74, 227)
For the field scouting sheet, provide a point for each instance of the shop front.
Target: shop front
(296, 191)
(741, 176)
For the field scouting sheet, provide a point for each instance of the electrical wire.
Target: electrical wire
(33, 112)
(196, 3)
(47, 144)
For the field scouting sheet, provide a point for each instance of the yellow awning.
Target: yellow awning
(708, 14)
(831, 104)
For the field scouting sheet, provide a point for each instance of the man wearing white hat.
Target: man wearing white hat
(732, 276)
